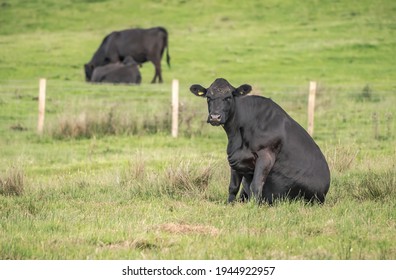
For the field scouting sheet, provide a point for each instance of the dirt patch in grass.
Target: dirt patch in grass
(180, 228)
(131, 244)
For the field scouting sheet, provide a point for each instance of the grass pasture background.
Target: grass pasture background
(106, 180)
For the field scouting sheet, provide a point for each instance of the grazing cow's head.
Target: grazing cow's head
(88, 69)
(220, 96)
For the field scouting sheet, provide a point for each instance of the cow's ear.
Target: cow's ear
(242, 90)
(198, 90)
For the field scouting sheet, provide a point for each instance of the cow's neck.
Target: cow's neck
(232, 128)
(231, 123)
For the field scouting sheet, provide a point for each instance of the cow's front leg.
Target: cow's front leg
(264, 163)
(245, 193)
(235, 183)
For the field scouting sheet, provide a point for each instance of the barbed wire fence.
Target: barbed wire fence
(341, 111)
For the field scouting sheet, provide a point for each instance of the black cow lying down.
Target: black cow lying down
(120, 72)
(268, 152)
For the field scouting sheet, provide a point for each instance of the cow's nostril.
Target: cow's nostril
(215, 117)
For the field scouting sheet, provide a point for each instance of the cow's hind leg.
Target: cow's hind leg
(157, 65)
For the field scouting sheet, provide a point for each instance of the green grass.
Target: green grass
(107, 181)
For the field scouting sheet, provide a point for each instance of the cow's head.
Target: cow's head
(88, 69)
(221, 99)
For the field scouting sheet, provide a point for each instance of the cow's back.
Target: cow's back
(125, 74)
(138, 43)
(101, 71)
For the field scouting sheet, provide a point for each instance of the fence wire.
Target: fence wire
(358, 113)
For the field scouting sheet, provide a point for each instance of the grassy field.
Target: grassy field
(107, 181)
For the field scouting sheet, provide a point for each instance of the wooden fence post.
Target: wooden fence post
(175, 107)
(41, 106)
(311, 106)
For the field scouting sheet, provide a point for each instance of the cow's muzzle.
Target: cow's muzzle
(214, 119)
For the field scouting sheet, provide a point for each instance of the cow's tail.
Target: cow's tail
(166, 45)
(167, 54)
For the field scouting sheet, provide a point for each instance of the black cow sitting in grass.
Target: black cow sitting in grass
(126, 72)
(268, 152)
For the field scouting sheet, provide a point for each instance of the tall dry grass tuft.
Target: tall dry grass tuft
(157, 123)
(135, 173)
(190, 121)
(188, 179)
(72, 128)
(376, 186)
(12, 183)
(92, 124)
(379, 122)
(340, 158)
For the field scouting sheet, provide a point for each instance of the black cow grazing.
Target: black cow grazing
(141, 44)
(267, 150)
(126, 72)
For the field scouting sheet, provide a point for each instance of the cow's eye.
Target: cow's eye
(228, 98)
